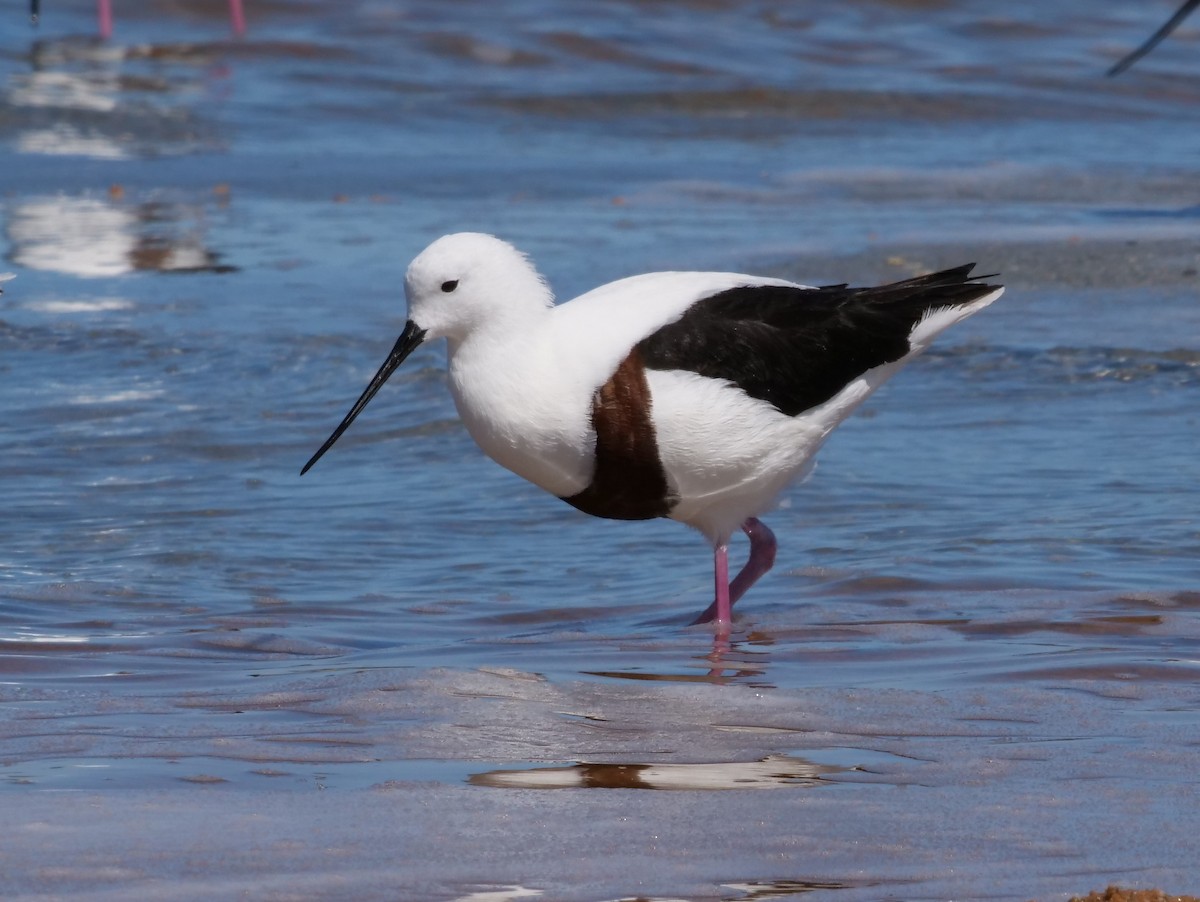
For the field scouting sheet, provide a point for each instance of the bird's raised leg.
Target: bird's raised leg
(762, 558)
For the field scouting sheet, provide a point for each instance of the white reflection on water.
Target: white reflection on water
(51, 639)
(93, 237)
(94, 89)
(500, 894)
(117, 397)
(66, 140)
(109, 102)
(74, 79)
(79, 236)
(82, 305)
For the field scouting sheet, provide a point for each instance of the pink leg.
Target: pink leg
(722, 607)
(104, 14)
(762, 558)
(237, 17)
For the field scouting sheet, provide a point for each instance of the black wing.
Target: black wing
(798, 347)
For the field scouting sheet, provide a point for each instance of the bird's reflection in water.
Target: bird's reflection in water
(729, 659)
(109, 236)
(82, 97)
(771, 772)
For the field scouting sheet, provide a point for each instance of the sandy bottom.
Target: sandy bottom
(504, 783)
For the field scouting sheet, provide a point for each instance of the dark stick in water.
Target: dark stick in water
(1154, 39)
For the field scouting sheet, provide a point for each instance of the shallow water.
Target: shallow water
(210, 237)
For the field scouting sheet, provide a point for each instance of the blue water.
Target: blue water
(209, 238)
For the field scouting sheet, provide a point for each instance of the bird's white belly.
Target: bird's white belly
(728, 455)
(542, 436)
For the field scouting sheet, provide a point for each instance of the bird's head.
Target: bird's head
(460, 285)
(470, 281)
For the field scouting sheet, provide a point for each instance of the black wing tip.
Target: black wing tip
(980, 279)
(955, 276)
(957, 286)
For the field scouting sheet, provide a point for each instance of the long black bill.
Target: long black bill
(412, 336)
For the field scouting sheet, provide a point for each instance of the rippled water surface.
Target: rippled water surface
(999, 552)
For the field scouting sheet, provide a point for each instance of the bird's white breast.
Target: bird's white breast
(520, 410)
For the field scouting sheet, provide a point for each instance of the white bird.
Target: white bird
(697, 396)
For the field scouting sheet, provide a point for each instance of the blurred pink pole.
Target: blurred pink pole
(237, 17)
(104, 12)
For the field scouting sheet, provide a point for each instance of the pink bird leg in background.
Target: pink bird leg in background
(104, 15)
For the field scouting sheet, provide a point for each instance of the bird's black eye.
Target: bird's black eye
(449, 286)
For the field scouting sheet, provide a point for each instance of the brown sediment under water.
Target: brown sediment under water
(1122, 894)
